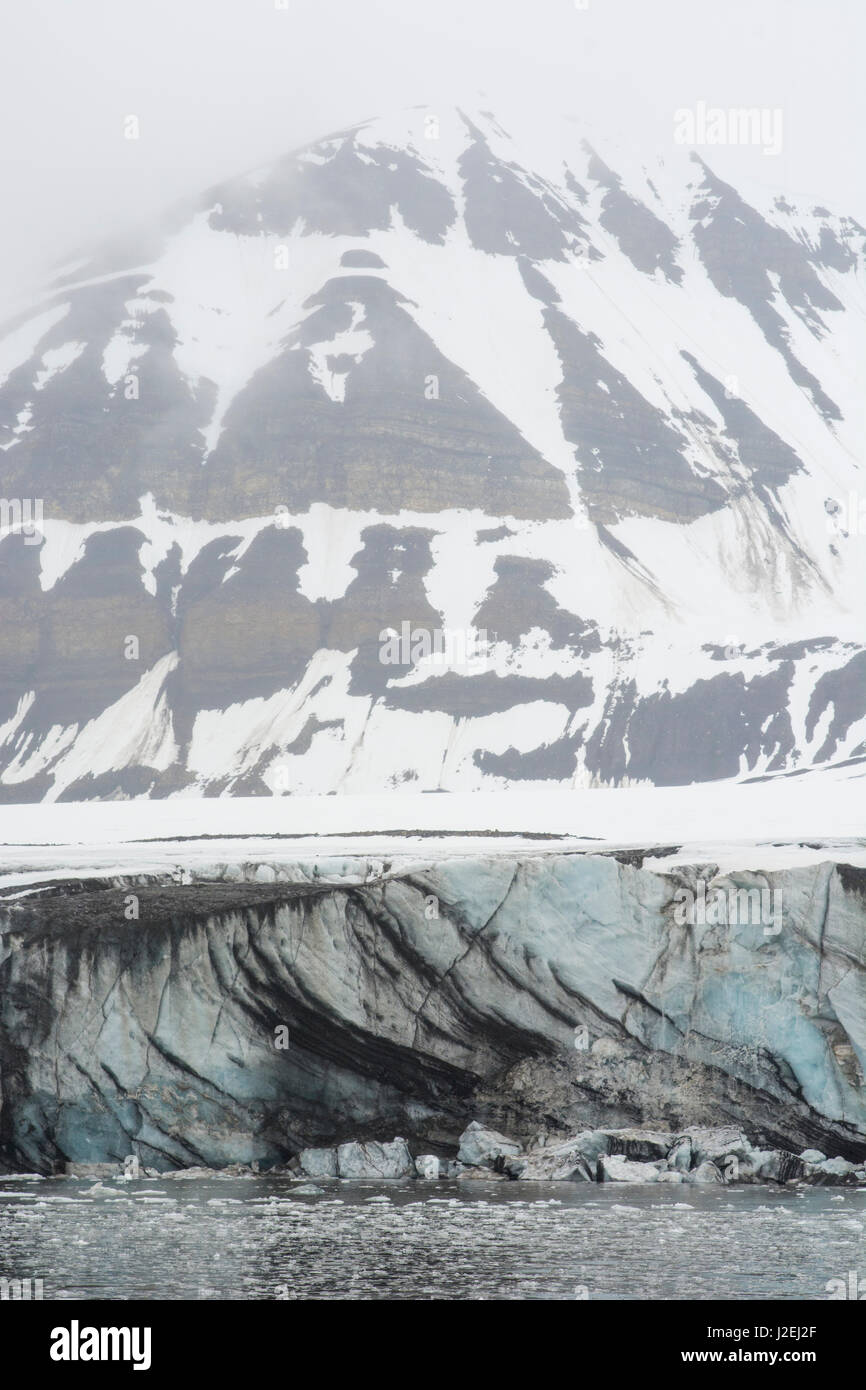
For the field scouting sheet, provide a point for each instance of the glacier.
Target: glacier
(248, 1009)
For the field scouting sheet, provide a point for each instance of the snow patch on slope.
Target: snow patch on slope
(19, 345)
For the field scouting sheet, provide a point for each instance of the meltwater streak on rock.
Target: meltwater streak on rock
(158, 1036)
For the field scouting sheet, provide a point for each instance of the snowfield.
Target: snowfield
(781, 822)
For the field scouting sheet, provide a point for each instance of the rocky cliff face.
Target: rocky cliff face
(604, 418)
(257, 1010)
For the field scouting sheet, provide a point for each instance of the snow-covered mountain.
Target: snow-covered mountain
(597, 425)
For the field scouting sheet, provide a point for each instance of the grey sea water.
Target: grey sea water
(260, 1238)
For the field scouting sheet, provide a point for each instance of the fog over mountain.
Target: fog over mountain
(443, 453)
(218, 86)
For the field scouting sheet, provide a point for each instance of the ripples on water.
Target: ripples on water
(258, 1238)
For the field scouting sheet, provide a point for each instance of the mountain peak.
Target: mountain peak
(461, 372)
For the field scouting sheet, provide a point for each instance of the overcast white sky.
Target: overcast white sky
(222, 85)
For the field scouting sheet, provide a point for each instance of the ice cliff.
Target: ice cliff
(247, 1011)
